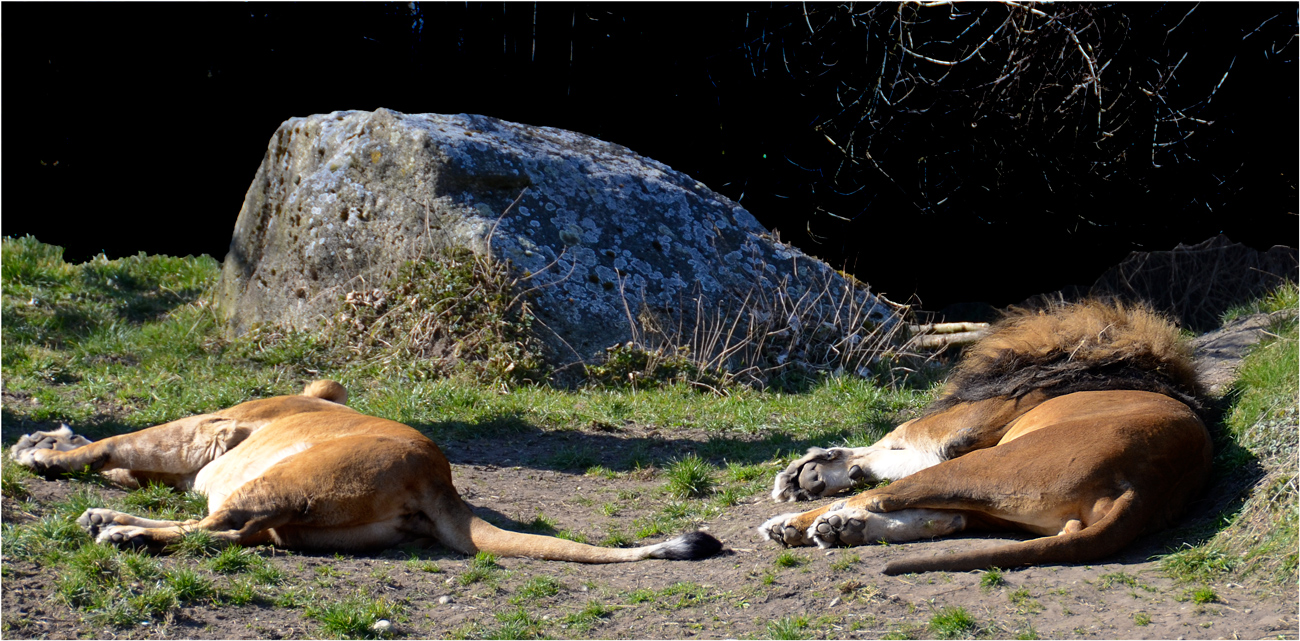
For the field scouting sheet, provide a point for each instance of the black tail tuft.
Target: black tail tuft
(688, 547)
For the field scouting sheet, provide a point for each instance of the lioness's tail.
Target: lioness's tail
(328, 390)
(1115, 530)
(462, 530)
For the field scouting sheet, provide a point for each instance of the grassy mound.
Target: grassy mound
(1257, 451)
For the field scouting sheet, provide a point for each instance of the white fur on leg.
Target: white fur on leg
(776, 529)
(855, 526)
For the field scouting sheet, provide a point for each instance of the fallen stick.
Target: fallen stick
(946, 328)
(934, 341)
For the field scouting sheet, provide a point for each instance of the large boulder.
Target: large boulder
(598, 233)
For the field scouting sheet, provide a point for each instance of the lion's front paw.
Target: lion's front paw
(857, 526)
(784, 530)
(819, 473)
(96, 519)
(33, 449)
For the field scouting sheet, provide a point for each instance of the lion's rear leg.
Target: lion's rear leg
(96, 519)
(349, 493)
(124, 530)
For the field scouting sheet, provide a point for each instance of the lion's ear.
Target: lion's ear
(225, 433)
(328, 390)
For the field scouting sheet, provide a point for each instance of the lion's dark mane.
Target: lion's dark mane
(1075, 348)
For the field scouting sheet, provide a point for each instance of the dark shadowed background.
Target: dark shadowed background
(138, 127)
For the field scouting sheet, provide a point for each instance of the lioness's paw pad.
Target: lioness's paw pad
(27, 451)
(96, 519)
(820, 472)
(781, 530)
(123, 536)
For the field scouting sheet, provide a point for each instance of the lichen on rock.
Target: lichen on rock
(599, 235)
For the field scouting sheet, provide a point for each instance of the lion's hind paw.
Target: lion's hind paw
(783, 530)
(856, 526)
(128, 537)
(96, 519)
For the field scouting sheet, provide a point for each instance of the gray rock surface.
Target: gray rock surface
(342, 200)
(1220, 352)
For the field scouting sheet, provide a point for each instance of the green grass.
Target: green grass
(791, 627)
(587, 617)
(1203, 595)
(162, 502)
(188, 585)
(677, 595)
(1105, 581)
(516, 624)
(689, 477)
(13, 480)
(539, 587)
(482, 568)
(845, 562)
(234, 560)
(1256, 450)
(789, 559)
(641, 596)
(992, 578)
(953, 623)
(1141, 619)
(354, 617)
(197, 544)
(122, 359)
(122, 589)
(1024, 602)
(1286, 297)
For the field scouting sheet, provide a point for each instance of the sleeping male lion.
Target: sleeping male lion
(305, 472)
(1077, 424)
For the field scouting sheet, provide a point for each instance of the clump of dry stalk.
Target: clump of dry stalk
(781, 338)
(460, 311)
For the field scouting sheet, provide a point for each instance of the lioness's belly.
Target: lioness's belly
(284, 438)
(220, 478)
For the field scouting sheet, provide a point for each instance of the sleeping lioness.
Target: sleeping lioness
(1078, 424)
(305, 472)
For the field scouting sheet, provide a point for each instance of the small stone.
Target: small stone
(835, 602)
(444, 600)
(381, 626)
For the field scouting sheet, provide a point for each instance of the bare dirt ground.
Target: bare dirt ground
(738, 594)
